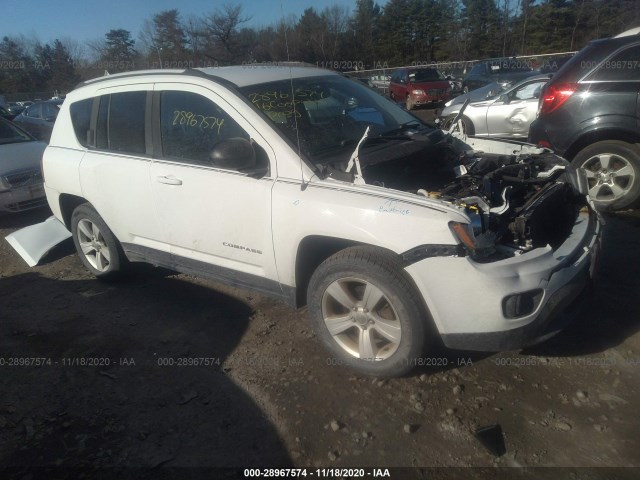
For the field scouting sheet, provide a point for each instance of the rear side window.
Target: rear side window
(121, 122)
(81, 120)
(624, 65)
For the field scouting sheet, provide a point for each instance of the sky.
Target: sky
(85, 20)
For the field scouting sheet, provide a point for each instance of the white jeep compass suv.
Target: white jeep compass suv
(303, 184)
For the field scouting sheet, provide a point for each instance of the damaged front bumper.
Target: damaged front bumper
(512, 303)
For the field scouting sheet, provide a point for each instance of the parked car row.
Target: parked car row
(588, 112)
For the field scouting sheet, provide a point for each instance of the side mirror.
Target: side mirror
(504, 99)
(234, 154)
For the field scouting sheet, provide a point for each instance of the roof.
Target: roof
(628, 33)
(239, 76)
(245, 75)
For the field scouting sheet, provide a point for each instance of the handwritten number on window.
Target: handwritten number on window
(190, 119)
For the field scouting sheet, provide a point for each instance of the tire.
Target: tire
(467, 125)
(97, 247)
(613, 173)
(380, 338)
(409, 103)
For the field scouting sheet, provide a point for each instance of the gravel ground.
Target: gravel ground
(266, 394)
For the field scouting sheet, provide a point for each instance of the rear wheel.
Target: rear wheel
(367, 313)
(613, 173)
(97, 247)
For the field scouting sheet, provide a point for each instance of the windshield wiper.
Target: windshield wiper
(354, 161)
(402, 128)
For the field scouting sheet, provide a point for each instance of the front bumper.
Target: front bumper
(466, 299)
(19, 199)
(427, 99)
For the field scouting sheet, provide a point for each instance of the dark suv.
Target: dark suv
(590, 113)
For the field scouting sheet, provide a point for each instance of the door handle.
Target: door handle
(169, 180)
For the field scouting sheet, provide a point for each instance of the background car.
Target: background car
(589, 113)
(38, 119)
(504, 71)
(20, 178)
(478, 95)
(505, 114)
(6, 114)
(381, 81)
(15, 109)
(419, 86)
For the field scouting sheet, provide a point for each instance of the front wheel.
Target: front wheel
(367, 313)
(409, 103)
(467, 125)
(97, 247)
(613, 173)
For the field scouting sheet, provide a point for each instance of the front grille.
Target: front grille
(24, 178)
(26, 205)
(435, 91)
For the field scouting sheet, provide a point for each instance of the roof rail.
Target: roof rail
(134, 73)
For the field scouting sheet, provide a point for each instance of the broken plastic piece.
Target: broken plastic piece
(33, 242)
(492, 438)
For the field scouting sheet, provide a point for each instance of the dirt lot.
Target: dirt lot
(269, 395)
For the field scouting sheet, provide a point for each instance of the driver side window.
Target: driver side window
(34, 111)
(528, 92)
(192, 126)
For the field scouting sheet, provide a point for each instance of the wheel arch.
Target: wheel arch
(68, 203)
(600, 135)
(315, 249)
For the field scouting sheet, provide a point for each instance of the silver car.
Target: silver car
(20, 178)
(506, 114)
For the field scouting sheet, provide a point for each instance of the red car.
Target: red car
(419, 86)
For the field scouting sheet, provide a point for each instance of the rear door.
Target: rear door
(615, 88)
(114, 172)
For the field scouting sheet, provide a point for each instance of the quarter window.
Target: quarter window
(192, 125)
(121, 122)
(81, 119)
(622, 66)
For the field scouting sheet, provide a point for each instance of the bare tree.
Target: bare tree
(77, 50)
(222, 27)
(336, 18)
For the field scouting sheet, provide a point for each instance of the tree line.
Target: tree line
(370, 36)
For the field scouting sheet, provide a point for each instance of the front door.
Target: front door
(216, 213)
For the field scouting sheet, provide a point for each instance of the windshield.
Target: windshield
(11, 134)
(425, 75)
(328, 114)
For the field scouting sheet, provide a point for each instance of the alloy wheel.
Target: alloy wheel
(610, 176)
(361, 319)
(93, 245)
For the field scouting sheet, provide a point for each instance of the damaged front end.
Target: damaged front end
(515, 202)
